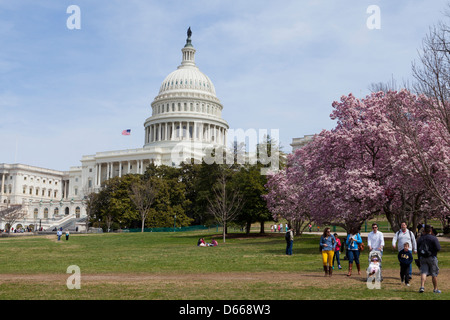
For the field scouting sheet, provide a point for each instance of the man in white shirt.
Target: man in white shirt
(402, 236)
(375, 240)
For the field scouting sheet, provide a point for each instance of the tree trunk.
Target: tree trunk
(248, 226)
(261, 230)
(224, 230)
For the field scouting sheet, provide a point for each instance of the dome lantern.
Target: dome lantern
(188, 51)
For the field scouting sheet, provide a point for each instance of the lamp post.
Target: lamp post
(174, 222)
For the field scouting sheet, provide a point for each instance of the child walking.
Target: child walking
(405, 258)
(337, 251)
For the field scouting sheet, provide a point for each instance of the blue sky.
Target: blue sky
(275, 65)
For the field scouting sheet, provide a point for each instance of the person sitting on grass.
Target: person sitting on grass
(201, 242)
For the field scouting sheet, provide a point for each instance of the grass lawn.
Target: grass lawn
(169, 266)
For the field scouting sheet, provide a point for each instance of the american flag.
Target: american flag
(126, 132)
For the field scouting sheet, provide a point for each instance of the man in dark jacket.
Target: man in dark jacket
(289, 240)
(427, 248)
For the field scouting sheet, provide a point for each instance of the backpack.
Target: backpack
(424, 250)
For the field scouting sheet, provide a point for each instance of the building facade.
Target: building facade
(186, 121)
(297, 143)
(48, 197)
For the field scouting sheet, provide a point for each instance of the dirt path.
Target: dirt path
(316, 279)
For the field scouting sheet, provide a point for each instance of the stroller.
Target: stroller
(374, 269)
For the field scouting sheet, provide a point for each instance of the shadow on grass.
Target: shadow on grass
(229, 236)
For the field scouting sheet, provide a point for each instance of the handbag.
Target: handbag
(361, 246)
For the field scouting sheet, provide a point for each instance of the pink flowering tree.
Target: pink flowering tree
(423, 131)
(423, 155)
(360, 168)
(286, 199)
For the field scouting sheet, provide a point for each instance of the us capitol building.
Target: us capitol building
(186, 118)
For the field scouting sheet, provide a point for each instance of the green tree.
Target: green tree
(202, 179)
(170, 200)
(251, 184)
(113, 204)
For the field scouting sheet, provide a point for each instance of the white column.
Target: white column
(129, 166)
(120, 168)
(3, 184)
(201, 131)
(182, 130)
(173, 131)
(225, 137)
(188, 133)
(99, 173)
(194, 131)
(166, 131)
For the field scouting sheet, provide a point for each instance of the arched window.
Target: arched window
(56, 211)
(46, 213)
(77, 212)
(35, 213)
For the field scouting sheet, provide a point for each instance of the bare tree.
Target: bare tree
(391, 85)
(143, 195)
(432, 75)
(225, 204)
(11, 214)
(89, 201)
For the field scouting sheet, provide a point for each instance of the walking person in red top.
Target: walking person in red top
(337, 251)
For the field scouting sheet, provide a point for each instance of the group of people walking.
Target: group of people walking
(426, 247)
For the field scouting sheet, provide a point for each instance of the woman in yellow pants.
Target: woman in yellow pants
(327, 244)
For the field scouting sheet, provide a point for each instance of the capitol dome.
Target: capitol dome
(187, 78)
(186, 108)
